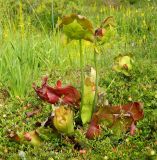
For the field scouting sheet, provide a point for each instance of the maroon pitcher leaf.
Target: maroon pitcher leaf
(94, 129)
(66, 95)
(135, 110)
(132, 128)
(122, 117)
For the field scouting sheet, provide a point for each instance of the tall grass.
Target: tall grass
(27, 53)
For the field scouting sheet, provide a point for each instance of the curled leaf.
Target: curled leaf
(94, 128)
(121, 118)
(77, 27)
(123, 64)
(66, 95)
(63, 120)
(33, 138)
(107, 35)
(109, 21)
(106, 30)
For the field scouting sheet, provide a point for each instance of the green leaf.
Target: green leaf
(109, 34)
(85, 23)
(46, 133)
(106, 31)
(77, 27)
(88, 99)
(74, 31)
(63, 120)
(87, 108)
(32, 137)
(123, 64)
(121, 125)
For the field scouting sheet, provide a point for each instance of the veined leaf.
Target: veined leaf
(74, 30)
(32, 137)
(109, 34)
(87, 108)
(67, 95)
(63, 120)
(77, 27)
(123, 64)
(121, 118)
(88, 99)
(109, 21)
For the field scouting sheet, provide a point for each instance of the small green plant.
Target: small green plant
(123, 64)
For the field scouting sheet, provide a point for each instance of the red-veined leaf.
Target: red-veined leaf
(127, 115)
(66, 95)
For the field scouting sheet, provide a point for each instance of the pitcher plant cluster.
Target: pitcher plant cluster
(88, 103)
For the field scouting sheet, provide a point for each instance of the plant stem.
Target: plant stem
(96, 81)
(82, 74)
